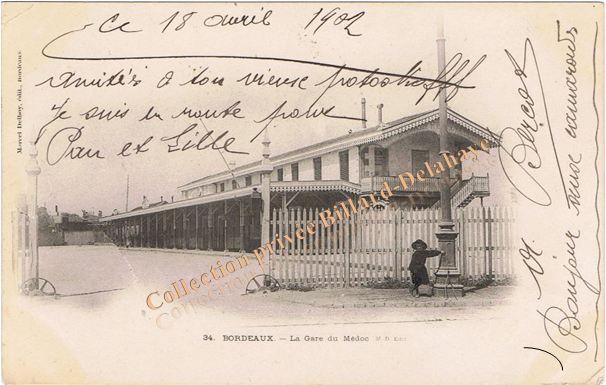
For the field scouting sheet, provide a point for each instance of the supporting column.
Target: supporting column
(174, 241)
(156, 230)
(447, 282)
(242, 225)
(204, 225)
(210, 223)
(371, 161)
(184, 235)
(254, 220)
(148, 231)
(224, 225)
(164, 230)
(141, 231)
(197, 228)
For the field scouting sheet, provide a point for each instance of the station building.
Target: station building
(223, 211)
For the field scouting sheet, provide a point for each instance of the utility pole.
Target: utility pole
(448, 276)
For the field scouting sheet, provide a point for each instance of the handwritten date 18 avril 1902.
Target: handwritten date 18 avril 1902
(322, 19)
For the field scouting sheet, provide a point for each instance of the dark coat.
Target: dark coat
(419, 257)
(417, 267)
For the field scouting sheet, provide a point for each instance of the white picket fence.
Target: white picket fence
(376, 244)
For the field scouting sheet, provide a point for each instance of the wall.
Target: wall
(306, 169)
(79, 237)
(330, 171)
(50, 238)
(400, 158)
(330, 166)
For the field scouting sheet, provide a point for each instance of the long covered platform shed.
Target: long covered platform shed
(228, 221)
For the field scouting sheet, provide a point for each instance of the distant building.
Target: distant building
(69, 229)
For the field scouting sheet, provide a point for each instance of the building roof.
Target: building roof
(232, 194)
(357, 137)
(159, 203)
(325, 185)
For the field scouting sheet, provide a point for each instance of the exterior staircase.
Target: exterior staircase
(464, 191)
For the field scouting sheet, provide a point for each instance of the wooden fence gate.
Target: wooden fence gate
(375, 244)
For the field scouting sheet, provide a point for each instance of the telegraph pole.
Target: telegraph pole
(448, 276)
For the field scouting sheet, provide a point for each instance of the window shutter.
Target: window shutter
(318, 168)
(344, 165)
(294, 170)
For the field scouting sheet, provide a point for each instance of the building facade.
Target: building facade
(223, 211)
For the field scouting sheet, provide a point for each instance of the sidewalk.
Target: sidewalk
(369, 298)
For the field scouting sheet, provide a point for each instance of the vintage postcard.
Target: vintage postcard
(302, 193)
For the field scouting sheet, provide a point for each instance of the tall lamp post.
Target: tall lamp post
(33, 170)
(448, 276)
(266, 169)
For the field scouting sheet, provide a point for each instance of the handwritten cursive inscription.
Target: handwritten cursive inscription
(519, 143)
(192, 139)
(529, 257)
(62, 146)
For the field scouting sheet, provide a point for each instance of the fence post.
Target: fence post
(489, 244)
(347, 251)
(398, 250)
(484, 239)
(462, 242)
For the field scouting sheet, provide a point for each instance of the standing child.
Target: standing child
(417, 268)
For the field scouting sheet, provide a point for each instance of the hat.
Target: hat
(419, 244)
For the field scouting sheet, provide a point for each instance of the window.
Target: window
(318, 168)
(365, 162)
(248, 180)
(375, 161)
(280, 174)
(221, 187)
(294, 170)
(234, 184)
(381, 161)
(344, 165)
(419, 157)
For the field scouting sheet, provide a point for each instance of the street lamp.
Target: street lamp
(447, 276)
(33, 170)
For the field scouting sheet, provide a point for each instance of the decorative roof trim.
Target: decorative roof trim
(324, 185)
(369, 135)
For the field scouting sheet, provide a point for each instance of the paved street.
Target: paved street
(153, 343)
(110, 273)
